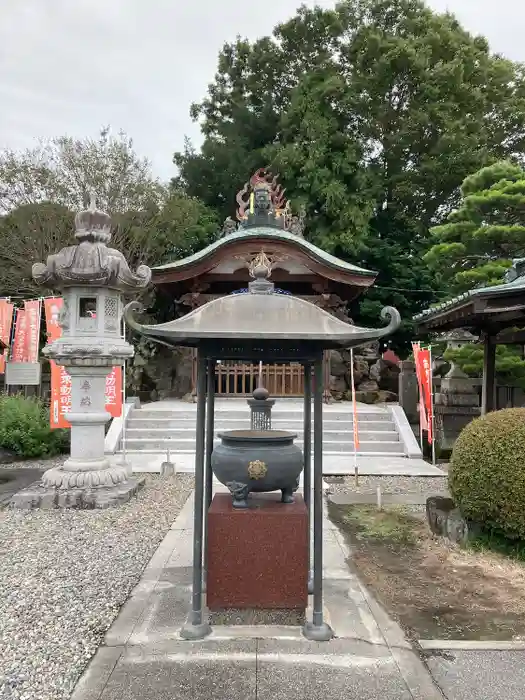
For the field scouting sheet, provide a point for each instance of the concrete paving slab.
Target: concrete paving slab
(93, 682)
(166, 609)
(480, 675)
(186, 671)
(333, 464)
(339, 669)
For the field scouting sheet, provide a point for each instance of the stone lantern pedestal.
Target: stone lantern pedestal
(92, 278)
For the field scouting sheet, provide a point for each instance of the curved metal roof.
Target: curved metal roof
(261, 316)
(268, 233)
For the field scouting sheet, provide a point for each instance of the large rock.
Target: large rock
(369, 397)
(337, 384)
(387, 396)
(386, 374)
(368, 385)
(338, 367)
(361, 369)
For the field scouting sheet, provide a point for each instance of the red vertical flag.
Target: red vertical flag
(19, 349)
(33, 313)
(114, 392)
(60, 379)
(425, 371)
(6, 320)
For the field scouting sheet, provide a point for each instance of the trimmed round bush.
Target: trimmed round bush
(24, 428)
(487, 472)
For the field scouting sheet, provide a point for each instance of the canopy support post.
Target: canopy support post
(318, 630)
(197, 627)
(307, 450)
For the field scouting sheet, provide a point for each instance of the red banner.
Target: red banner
(423, 423)
(114, 392)
(52, 309)
(19, 350)
(6, 320)
(61, 381)
(33, 312)
(425, 380)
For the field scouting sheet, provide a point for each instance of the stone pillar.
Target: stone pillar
(489, 374)
(92, 278)
(408, 390)
(456, 404)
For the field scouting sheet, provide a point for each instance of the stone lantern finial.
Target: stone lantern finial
(90, 261)
(92, 224)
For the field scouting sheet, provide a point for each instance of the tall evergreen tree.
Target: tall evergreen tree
(479, 239)
(374, 113)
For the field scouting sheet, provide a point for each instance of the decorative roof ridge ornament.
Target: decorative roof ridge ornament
(90, 261)
(262, 202)
(260, 270)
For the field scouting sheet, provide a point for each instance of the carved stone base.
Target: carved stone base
(39, 496)
(64, 478)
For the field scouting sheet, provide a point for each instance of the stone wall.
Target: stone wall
(376, 379)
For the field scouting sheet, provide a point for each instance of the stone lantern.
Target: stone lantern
(92, 278)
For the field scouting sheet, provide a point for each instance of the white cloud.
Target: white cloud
(70, 66)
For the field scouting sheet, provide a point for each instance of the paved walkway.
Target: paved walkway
(144, 658)
(332, 464)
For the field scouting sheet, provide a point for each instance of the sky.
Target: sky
(72, 66)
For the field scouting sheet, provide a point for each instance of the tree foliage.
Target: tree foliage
(510, 366)
(42, 189)
(374, 113)
(68, 171)
(479, 239)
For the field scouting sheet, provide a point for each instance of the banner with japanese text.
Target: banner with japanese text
(33, 313)
(19, 349)
(423, 423)
(6, 321)
(61, 381)
(425, 377)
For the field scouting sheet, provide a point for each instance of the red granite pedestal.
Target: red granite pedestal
(257, 557)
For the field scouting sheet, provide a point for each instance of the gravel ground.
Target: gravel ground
(389, 484)
(35, 463)
(64, 576)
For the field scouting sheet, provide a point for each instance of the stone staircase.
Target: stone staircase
(155, 428)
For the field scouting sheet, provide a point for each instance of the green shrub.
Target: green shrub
(487, 472)
(24, 428)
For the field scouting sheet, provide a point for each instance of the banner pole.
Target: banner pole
(124, 461)
(432, 406)
(355, 424)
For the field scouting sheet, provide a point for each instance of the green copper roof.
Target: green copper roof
(496, 290)
(270, 234)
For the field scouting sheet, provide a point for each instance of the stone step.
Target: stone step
(346, 446)
(190, 454)
(244, 414)
(346, 435)
(331, 422)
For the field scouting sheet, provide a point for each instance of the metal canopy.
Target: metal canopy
(258, 322)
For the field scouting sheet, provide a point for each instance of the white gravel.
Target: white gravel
(36, 463)
(64, 576)
(390, 484)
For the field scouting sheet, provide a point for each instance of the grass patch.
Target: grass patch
(393, 524)
(496, 542)
(434, 589)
